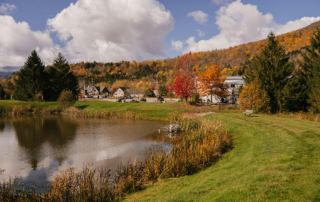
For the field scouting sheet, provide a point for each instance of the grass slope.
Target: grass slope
(273, 159)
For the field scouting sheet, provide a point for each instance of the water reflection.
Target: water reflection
(37, 148)
(33, 132)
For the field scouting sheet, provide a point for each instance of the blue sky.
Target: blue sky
(114, 30)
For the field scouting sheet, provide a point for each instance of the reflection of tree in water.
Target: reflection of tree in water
(33, 132)
(2, 125)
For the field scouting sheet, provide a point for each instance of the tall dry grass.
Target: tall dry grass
(302, 116)
(19, 110)
(202, 142)
(75, 112)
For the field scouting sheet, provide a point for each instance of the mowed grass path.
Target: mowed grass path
(273, 159)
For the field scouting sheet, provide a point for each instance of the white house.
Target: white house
(234, 82)
(120, 92)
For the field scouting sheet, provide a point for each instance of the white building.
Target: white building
(234, 82)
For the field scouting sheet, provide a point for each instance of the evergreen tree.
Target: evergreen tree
(2, 93)
(162, 90)
(31, 78)
(61, 79)
(274, 74)
(309, 72)
(314, 85)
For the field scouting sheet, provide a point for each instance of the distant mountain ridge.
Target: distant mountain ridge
(5, 74)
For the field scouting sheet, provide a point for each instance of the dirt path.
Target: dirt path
(203, 114)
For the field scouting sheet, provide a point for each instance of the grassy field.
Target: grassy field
(273, 159)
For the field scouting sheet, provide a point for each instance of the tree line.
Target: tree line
(35, 80)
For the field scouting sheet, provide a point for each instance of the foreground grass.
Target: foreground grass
(273, 159)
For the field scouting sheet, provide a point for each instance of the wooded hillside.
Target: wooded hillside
(230, 60)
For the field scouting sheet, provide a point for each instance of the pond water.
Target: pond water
(37, 148)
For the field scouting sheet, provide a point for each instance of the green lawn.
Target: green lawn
(147, 110)
(273, 159)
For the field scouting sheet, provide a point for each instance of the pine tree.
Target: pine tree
(309, 72)
(2, 93)
(274, 74)
(61, 79)
(31, 78)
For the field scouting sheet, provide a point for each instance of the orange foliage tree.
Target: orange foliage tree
(252, 97)
(211, 82)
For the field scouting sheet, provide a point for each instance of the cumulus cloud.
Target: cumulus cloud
(220, 2)
(113, 30)
(177, 45)
(99, 30)
(6, 8)
(242, 23)
(199, 16)
(17, 41)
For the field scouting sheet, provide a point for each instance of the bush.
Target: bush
(66, 99)
(195, 99)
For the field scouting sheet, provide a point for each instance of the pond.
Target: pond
(37, 148)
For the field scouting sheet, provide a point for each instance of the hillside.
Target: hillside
(230, 60)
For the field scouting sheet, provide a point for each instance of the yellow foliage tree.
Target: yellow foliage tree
(211, 82)
(227, 71)
(252, 97)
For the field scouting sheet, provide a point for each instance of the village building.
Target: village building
(125, 91)
(234, 83)
(121, 92)
(94, 90)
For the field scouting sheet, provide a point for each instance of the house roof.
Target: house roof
(89, 88)
(234, 78)
(100, 89)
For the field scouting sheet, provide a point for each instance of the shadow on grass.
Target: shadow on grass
(82, 106)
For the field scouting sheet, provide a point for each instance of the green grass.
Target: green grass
(273, 159)
(147, 110)
(7, 103)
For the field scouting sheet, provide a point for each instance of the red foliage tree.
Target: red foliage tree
(184, 84)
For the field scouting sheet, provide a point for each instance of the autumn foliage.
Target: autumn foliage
(184, 84)
(251, 97)
(211, 82)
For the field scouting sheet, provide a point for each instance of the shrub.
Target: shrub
(66, 99)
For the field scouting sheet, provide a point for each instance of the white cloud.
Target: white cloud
(239, 23)
(220, 2)
(6, 8)
(201, 34)
(113, 30)
(177, 45)
(99, 30)
(199, 16)
(17, 41)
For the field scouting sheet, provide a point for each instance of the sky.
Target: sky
(116, 30)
